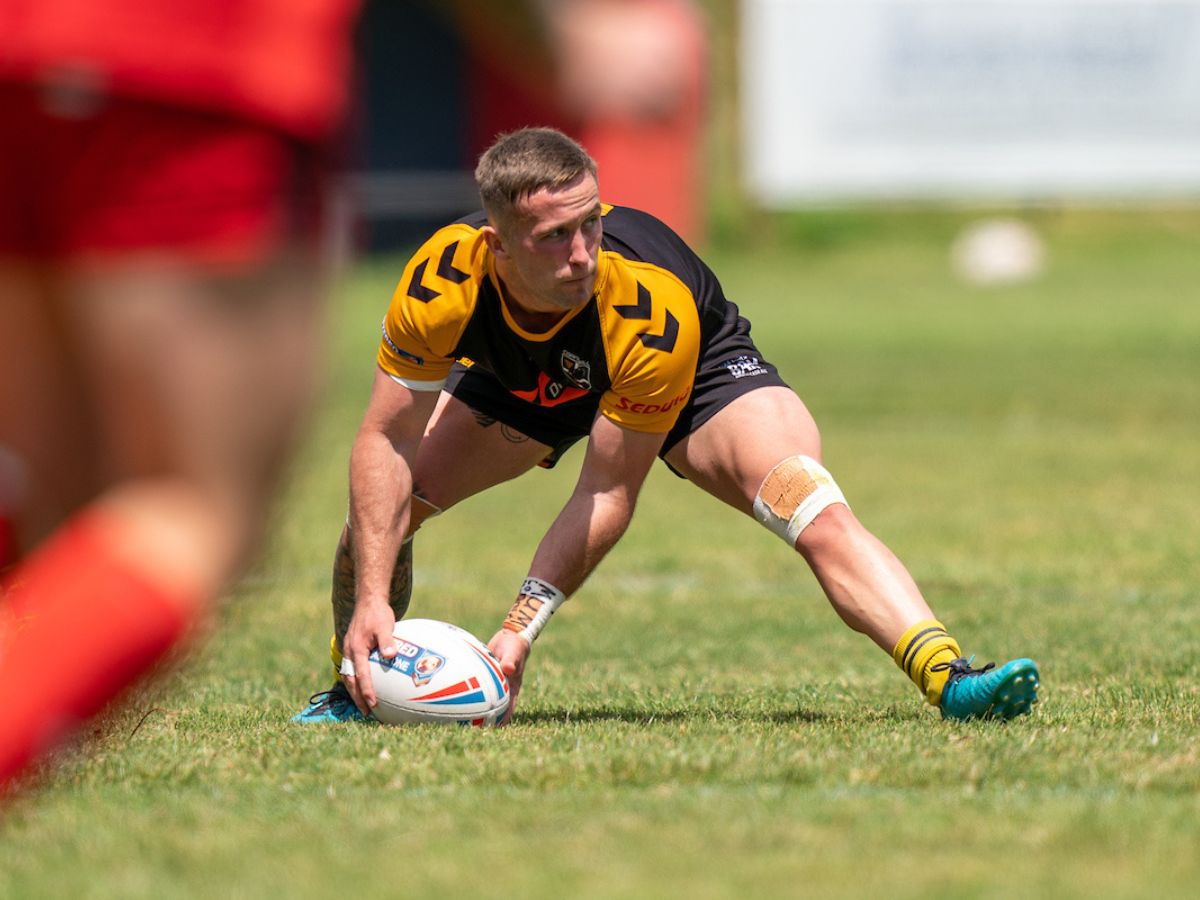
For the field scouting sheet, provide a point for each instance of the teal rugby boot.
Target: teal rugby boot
(333, 705)
(983, 693)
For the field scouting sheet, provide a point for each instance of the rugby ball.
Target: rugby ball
(440, 674)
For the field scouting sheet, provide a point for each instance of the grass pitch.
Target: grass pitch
(697, 722)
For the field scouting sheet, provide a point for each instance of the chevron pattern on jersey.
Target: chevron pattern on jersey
(417, 288)
(639, 310)
(665, 341)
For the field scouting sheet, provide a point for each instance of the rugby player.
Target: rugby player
(161, 169)
(551, 317)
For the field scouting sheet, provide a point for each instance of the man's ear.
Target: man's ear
(494, 242)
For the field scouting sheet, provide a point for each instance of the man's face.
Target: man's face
(547, 256)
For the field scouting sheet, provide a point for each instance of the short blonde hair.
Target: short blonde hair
(524, 162)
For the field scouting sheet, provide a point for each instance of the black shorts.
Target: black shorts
(729, 366)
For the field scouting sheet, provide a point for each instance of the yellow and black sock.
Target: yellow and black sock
(921, 647)
(335, 656)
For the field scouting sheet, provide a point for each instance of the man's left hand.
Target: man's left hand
(511, 651)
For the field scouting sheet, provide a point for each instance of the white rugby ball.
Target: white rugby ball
(998, 252)
(441, 674)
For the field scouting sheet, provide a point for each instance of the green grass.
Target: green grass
(697, 722)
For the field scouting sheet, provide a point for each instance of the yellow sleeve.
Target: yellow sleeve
(431, 306)
(652, 338)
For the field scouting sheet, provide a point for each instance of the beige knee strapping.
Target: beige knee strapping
(793, 494)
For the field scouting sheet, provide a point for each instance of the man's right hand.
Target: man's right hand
(370, 629)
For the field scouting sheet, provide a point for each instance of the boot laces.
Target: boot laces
(333, 698)
(960, 668)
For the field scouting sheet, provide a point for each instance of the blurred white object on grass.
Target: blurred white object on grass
(998, 252)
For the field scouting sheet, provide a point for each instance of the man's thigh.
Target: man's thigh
(152, 370)
(732, 452)
(195, 372)
(47, 432)
(466, 450)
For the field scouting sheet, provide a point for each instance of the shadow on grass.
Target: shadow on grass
(698, 714)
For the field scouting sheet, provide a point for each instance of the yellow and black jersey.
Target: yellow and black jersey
(635, 343)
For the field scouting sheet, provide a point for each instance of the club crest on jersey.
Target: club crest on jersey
(576, 370)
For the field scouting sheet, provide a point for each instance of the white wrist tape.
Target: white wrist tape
(793, 494)
(535, 605)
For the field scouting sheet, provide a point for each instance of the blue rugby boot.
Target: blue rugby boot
(983, 693)
(333, 705)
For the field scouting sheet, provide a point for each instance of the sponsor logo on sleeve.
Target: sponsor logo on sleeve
(624, 403)
(395, 348)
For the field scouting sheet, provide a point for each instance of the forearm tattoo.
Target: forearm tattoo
(342, 595)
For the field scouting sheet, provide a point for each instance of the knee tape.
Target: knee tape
(793, 494)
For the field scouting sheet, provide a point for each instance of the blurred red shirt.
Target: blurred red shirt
(280, 62)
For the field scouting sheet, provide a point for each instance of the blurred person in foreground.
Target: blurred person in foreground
(552, 317)
(162, 166)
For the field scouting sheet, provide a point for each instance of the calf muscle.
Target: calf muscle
(343, 594)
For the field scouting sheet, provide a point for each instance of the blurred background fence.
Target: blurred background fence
(706, 112)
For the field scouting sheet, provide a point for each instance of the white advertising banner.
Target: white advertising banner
(988, 99)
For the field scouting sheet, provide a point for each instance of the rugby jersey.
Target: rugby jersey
(636, 342)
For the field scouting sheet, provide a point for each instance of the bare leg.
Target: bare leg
(731, 454)
(44, 415)
(200, 381)
(155, 405)
(164, 396)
